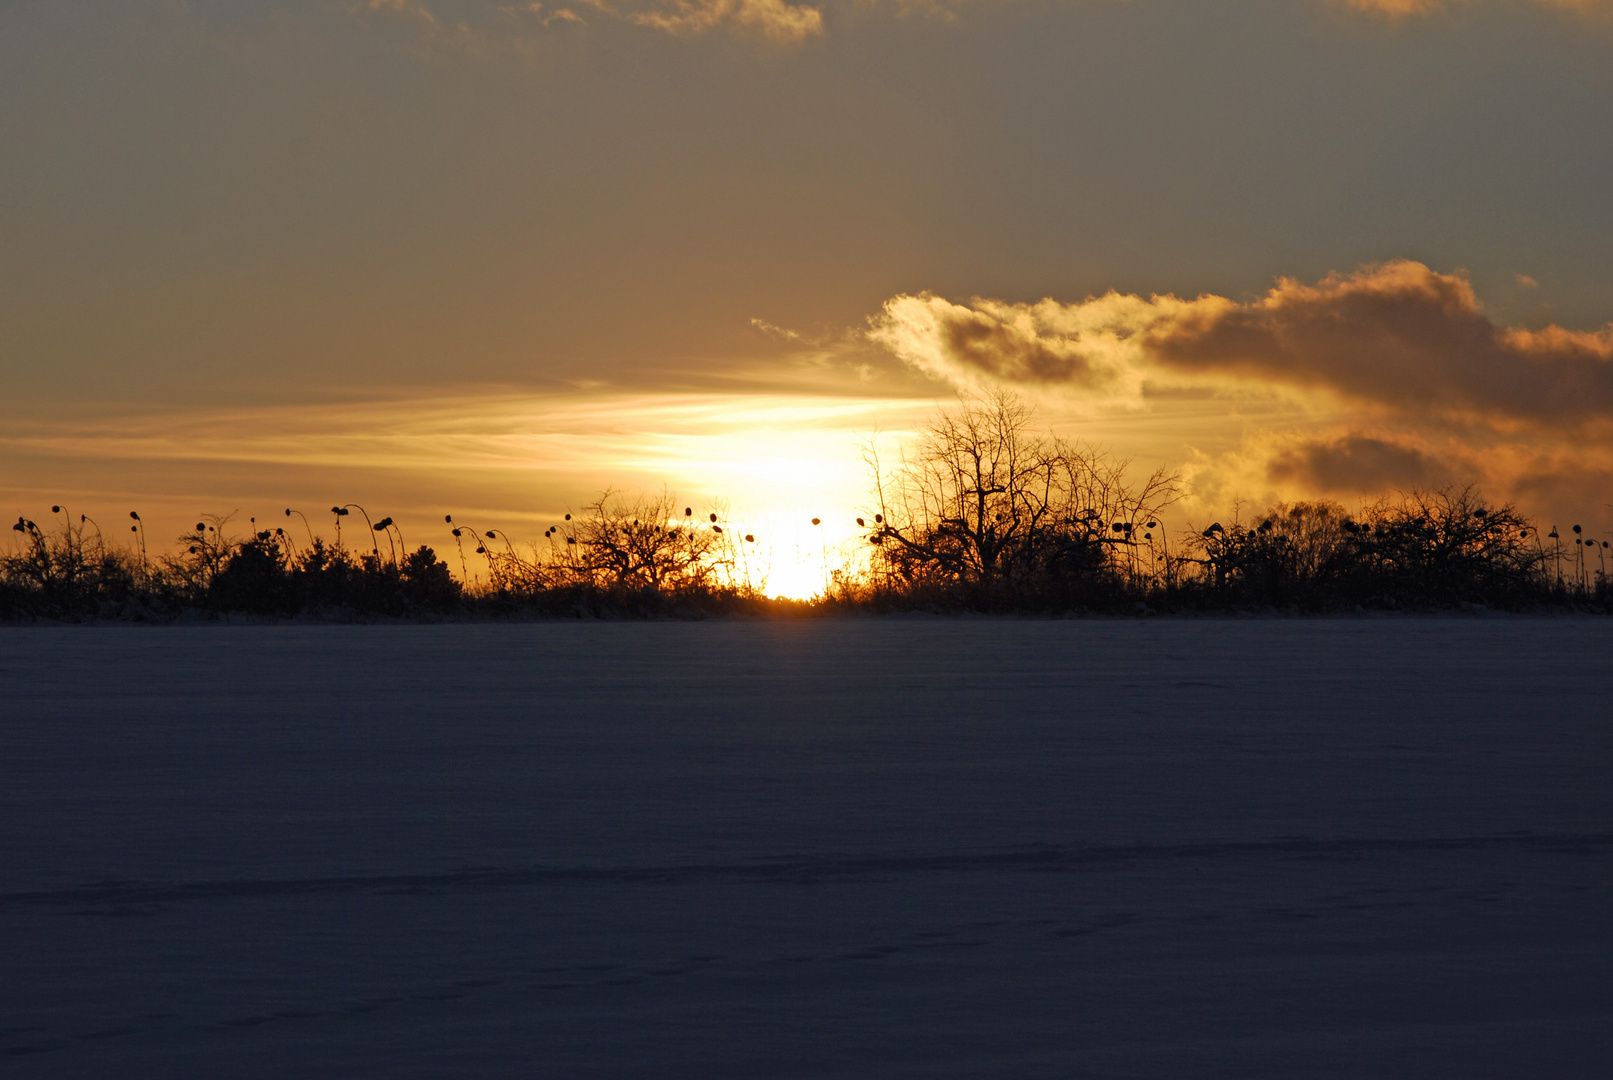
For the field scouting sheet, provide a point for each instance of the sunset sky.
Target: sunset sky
(482, 258)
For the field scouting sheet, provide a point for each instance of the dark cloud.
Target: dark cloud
(1400, 335)
(1356, 464)
(1571, 490)
(989, 341)
(976, 341)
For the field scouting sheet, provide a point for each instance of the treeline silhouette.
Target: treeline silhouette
(981, 514)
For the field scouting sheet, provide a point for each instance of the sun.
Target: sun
(791, 579)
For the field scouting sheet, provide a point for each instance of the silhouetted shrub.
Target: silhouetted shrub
(427, 583)
(253, 578)
(984, 516)
(1430, 549)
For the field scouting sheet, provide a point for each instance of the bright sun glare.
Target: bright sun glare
(790, 579)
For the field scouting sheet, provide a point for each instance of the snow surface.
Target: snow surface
(877, 848)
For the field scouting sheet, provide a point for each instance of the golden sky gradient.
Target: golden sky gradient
(456, 256)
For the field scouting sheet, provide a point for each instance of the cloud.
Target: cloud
(1401, 9)
(1045, 344)
(1562, 480)
(1396, 9)
(556, 17)
(484, 26)
(483, 22)
(409, 9)
(774, 19)
(1396, 335)
(1389, 378)
(1400, 335)
(1355, 464)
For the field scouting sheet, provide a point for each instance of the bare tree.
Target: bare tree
(985, 500)
(644, 543)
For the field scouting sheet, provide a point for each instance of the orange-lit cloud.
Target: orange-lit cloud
(1400, 335)
(1397, 335)
(481, 24)
(1395, 378)
(1356, 463)
(472, 21)
(1081, 346)
(1400, 9)
(774, 19)
(1557, 480)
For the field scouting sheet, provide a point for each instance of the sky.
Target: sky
(488, 259)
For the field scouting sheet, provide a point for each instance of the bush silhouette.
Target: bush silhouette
(984, 514)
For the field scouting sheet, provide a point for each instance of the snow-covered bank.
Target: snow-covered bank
(859, 847)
